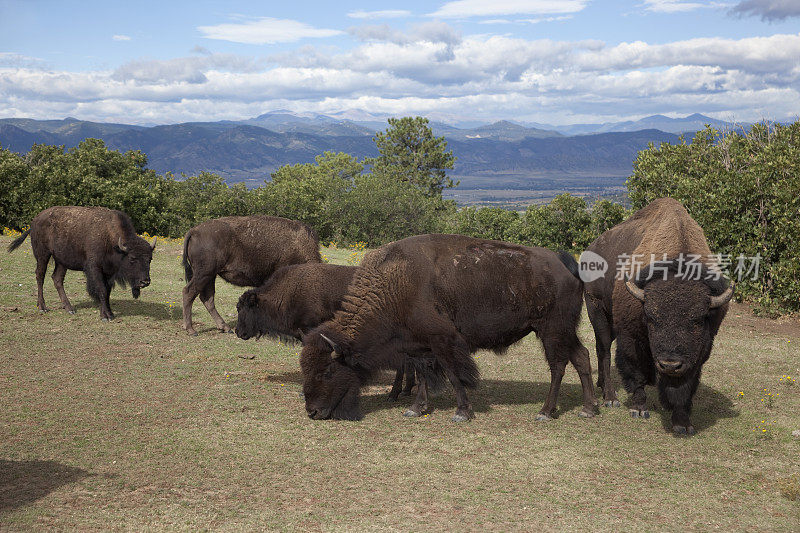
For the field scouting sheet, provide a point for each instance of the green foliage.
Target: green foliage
(410, 153)
(743, 188)
(485, 222)
(563, 224)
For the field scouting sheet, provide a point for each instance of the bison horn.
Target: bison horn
(634, 289)
(121, 246)
(153, 246)
(723, 298)
(333, 345)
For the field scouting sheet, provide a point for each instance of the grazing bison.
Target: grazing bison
(437, 299)
(243, 251)
(295, 300)
(101, 242)
(665, 317)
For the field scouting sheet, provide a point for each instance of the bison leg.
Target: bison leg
(410, 373)
(420, 405)
(100, 288)
(579, 357)
(207, 297)
(557, 366)
(41, 270)
(678, 398)
(603, 337)
(634, 378)
(190, 292)
(58, 280)
(396, 386)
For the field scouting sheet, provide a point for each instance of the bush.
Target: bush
(743, 188)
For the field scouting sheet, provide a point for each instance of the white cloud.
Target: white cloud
(384, 14)
(429, 69)
(265, 30)
(483, 8)
(121, 38)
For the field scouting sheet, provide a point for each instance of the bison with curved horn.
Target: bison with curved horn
(437, 299)
(244, 251)
(99, 241)
(665, 316)
(295, 300)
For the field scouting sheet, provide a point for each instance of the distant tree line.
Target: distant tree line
(742, 187)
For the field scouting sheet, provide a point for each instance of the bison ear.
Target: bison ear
(634, 289)
(121, 247)
(153, 246)
(250, 299)
(333, 345)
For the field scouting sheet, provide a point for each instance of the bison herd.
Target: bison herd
(422, 306)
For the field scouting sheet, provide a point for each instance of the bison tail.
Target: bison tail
(18, 241)
(188, 273)
(569, 261)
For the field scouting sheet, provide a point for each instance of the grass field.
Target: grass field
(132, 425)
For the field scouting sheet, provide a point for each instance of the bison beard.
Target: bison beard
(436, 299)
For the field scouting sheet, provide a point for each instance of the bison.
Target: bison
(295, 300)
(665, 317)
(244, 251)
(437, 299)
(99, 241)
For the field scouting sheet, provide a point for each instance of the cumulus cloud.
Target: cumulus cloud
(121, 38)
(384, 14)
(771, 10)
(265, 30)
(182, 69)
(482, 8)
(430, 69)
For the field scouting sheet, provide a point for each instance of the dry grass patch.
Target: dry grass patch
(133, 425)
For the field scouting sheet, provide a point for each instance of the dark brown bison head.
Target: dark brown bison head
(680, 311)
(259, 313)
(331, 388)
(249, 317)
(134, 258)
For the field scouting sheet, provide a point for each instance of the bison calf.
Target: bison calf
(101, 242)
(295, 300)
(243, 251)
(437, 299)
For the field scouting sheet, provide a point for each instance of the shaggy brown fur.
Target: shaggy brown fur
(243, 251)
(99, 241)
(295, 300)
(666, 338)
(437, 299)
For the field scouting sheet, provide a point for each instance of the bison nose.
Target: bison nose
(669, 366)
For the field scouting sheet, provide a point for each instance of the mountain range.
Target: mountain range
(501, 155)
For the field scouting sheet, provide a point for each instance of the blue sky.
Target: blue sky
(550, 61)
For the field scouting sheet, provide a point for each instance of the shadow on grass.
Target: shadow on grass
(709, 405)
(24, 482)
(489, 392)
(133, 307)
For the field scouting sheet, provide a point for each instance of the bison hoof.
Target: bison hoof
(543, 417)
(460, 418)
(611, 403)
(684, 430)
(410, 413)
(640, 413)
(71, 311)
(583, 413)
